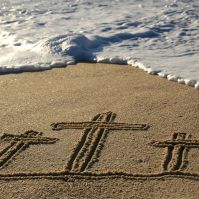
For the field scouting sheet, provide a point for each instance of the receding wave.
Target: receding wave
(160, 37)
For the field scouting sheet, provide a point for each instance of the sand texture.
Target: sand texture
(97, 131)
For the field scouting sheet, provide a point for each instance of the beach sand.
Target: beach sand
(124, 134)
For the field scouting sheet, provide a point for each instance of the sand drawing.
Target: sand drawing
(18, 143)
(88, 149)
(94, 135)
(177, 151)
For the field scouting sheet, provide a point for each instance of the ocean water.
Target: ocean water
(159, 36)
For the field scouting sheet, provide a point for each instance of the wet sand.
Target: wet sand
(108, 131)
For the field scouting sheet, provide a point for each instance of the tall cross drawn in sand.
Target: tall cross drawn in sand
(177, 151)
(18, 143)
(93, 137)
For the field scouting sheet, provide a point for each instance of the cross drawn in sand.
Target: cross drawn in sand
(19, 143)
(94, 135)
(177, 151)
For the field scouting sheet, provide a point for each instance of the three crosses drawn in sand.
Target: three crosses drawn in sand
(94, 135)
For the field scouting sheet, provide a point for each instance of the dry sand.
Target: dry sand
(126, 134)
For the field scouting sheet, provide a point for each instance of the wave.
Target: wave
(160, 37)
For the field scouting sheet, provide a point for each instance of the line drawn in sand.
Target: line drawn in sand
(89, 147)
(19, 143)
(93, 138)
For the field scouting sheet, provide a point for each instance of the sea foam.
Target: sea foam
(160, 37)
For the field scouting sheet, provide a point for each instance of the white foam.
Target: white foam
(159, 37)
(197, 85)
(190, 82)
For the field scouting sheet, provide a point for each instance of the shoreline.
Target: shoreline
(170, 77)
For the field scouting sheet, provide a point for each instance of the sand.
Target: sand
(97, 131)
